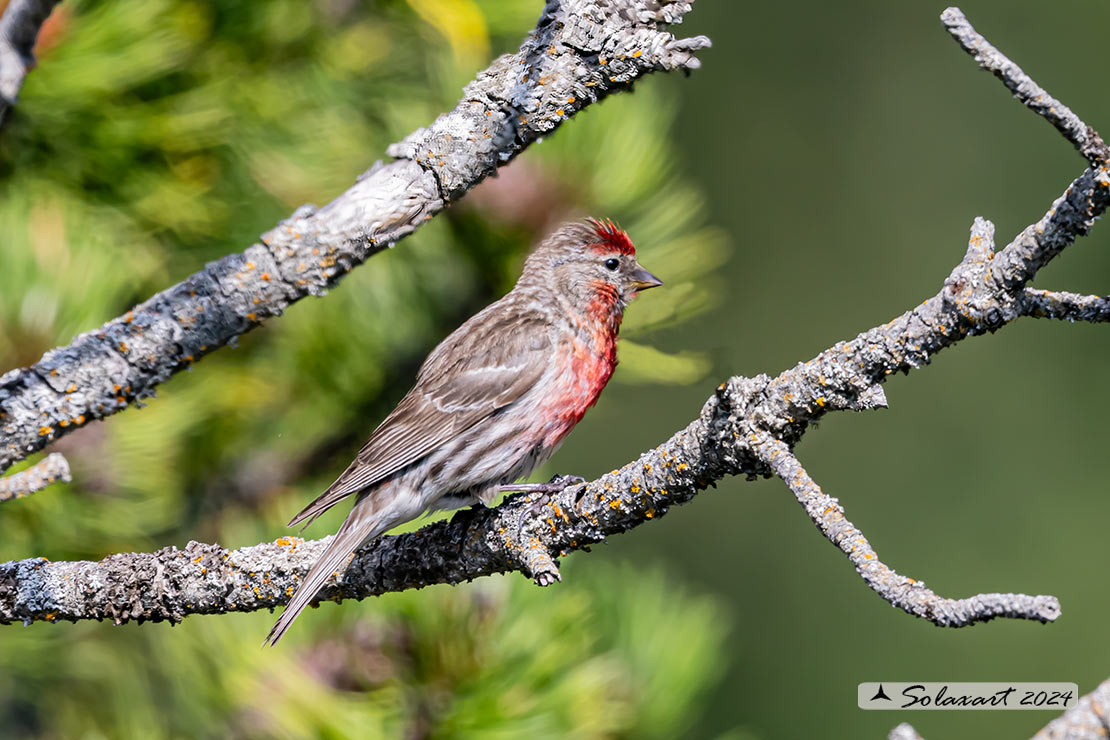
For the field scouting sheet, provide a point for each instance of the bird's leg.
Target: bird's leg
(557, 484)
(524, 488)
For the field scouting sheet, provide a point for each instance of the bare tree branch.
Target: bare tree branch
(35, 478)
(1032, 95)
(1058, 304)
(19, 27)
(579, 52)
(907, 594)
(749, 426)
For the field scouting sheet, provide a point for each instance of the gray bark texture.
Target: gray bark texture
(580, 51)
(51, 468)
(19, 27)
(749, 426)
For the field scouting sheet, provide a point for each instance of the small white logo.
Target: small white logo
(949, 695)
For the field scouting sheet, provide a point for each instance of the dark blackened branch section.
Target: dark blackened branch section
(907, 594)
(1028, 92)
(35, 478)
(19, 27)
(581, 51)
(1059, 304)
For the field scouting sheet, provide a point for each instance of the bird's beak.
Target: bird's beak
(642, 279)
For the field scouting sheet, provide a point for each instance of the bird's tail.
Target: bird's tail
(366, 522)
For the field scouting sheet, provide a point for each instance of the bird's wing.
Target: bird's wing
(481, 368)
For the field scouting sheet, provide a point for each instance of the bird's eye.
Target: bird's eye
(612, 263)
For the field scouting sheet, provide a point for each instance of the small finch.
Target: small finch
(494, 400)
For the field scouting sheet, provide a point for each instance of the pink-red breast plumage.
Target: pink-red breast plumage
(493, 400)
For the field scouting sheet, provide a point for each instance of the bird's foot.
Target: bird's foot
(557, 484)
(566, 481)
(534, 507)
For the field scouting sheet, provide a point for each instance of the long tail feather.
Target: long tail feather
(365, 522)
(336, 492)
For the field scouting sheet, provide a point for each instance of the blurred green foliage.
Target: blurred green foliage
(159, 134)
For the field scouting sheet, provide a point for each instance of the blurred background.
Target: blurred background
(817, 177)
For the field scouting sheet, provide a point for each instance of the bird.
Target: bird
(493, 400)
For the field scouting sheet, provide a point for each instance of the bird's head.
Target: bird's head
(592, 264)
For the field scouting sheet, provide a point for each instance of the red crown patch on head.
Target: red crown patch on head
(611, 236)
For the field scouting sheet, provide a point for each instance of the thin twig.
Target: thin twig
(1059, 304)
(35, 478)
(1032, 95)
(907, 594)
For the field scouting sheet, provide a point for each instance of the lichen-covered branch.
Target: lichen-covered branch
(35, 478)
(749, 426)
(908, 594)
(580, 51)
(1059, 304)
(1032, 95)
(19, 27)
